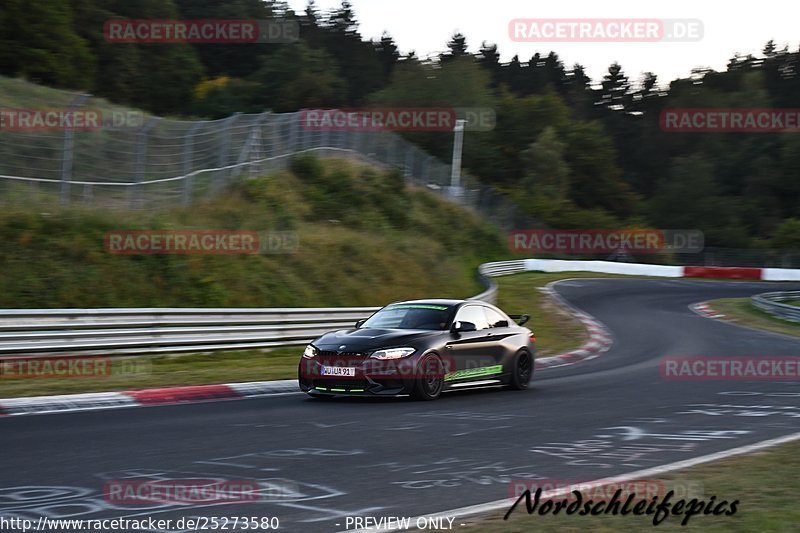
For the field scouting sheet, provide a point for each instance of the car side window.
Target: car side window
(474, 314)
(495, 319)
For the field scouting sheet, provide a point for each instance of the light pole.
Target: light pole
(458, 143)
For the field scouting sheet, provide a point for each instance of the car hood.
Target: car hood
(365, 339)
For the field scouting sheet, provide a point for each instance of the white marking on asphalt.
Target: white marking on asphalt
(497, 505)
(333, 513)
(477, 430)
(326, 426)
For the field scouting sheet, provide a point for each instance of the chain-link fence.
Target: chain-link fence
(140, 162)
(152, 162)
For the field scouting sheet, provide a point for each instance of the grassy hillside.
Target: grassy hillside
(363, 240)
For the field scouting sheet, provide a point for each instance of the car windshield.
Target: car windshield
(410, 316)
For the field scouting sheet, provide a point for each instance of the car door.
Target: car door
(470, 351)
(500, 329)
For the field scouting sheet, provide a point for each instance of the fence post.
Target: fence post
(277, 149)
(225, 146)
(390, 150)
(409, 165)
(251, 146)
(68, 152)
(141, 158)
(294, 125)
(188, 152)
(326, 139)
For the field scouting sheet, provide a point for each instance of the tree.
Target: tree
(298, 77)
(312, 12)
(578, 92)
(235, 59)
(38, 41)
(787, 235)
(615, 87)
(457, 48)
(595, 177)
(489, 58)
(343, 20)
(388, 54)
(546, 172)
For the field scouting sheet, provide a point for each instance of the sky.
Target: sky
(426, 26)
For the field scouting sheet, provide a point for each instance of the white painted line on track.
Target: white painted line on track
(497, 505)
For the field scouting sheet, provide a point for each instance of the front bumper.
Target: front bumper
(371, 378)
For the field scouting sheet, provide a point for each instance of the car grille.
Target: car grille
(333, 353)
(346, 384)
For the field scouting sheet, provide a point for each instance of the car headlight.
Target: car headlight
(393, 353)
(310, 352)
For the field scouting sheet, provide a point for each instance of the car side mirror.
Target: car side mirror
(459, 327)
(360, 323)
(522, 319)
(501, 324)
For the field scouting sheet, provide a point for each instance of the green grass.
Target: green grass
(362, 241)
(741, 311)
(765, 483)
(555, 329)
(141, 372)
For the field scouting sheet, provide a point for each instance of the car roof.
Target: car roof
(432, 301)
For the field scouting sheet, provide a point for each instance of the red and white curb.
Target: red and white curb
(599, 341)
(662, 271)
(703, 309)
(144, 398)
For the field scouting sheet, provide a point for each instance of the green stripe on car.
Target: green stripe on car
(475, 372)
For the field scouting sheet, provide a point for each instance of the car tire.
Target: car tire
(522, 370)
(429, 386)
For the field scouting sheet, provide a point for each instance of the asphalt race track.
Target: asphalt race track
(599, 418)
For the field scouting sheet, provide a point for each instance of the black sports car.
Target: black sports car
(421, 348)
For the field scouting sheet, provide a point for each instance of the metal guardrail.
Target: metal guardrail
(133, 331)
(492, 270)
(32, 332)
(770, 302)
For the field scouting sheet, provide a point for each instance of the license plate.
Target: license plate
(347, 371)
